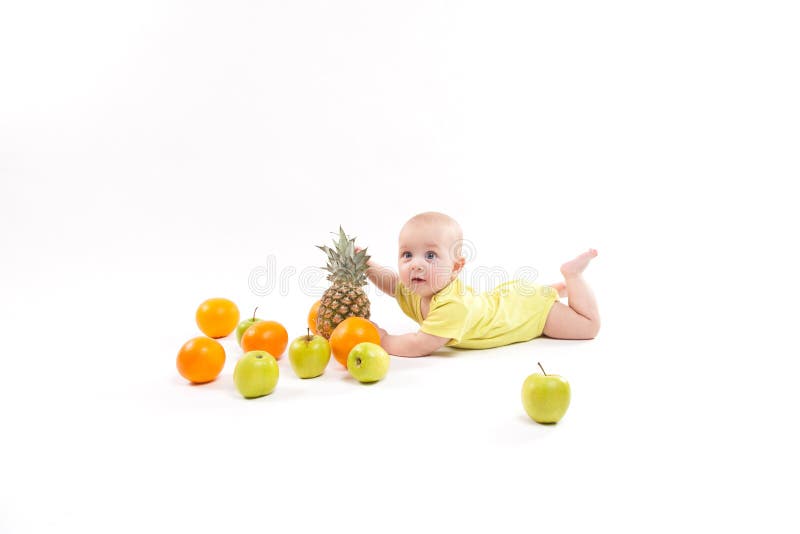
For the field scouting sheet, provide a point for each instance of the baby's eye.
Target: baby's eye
(405, 255)
(430, 255)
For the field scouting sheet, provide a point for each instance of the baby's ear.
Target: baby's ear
(459, 263)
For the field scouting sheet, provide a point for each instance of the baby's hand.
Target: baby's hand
(381, 332)
(369, 261)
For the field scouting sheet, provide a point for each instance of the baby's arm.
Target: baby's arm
(411, 345)
(384, 278)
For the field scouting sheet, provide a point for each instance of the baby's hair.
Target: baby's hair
(437, 218)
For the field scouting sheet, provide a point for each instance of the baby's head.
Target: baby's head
(430, 252)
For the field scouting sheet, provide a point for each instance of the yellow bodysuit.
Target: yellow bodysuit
(512, 312)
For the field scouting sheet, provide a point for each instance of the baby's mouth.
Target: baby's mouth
(417, 279)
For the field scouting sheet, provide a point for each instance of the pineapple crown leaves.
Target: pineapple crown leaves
(344, 263)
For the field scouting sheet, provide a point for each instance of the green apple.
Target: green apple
(545, 397)
(309, 355)
(244, 325)
(256, 374)
(368, 362)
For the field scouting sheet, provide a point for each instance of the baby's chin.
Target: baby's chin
(423, 290)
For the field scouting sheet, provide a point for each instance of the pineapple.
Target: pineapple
(344, 298)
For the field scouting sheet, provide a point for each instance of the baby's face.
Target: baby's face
(426, 261)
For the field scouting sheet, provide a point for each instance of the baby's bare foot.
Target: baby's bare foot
(575, 267)
(561, 287)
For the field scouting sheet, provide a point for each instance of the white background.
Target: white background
(155, 153)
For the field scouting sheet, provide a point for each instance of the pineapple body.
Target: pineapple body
(339, 302)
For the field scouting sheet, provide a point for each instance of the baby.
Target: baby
(453, 314)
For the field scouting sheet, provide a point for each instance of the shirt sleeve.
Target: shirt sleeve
(449, 320)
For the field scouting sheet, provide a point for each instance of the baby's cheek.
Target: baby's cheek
(440, 272)
(403, 273)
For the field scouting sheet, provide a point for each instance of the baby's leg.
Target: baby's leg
(561, 287)
(579, 320)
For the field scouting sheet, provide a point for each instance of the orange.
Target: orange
(200, 360)
(217, 317)
(312, 317)
(266, 335)
(348, 334)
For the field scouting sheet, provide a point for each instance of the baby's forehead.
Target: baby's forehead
(425, 243)
(430, 235)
